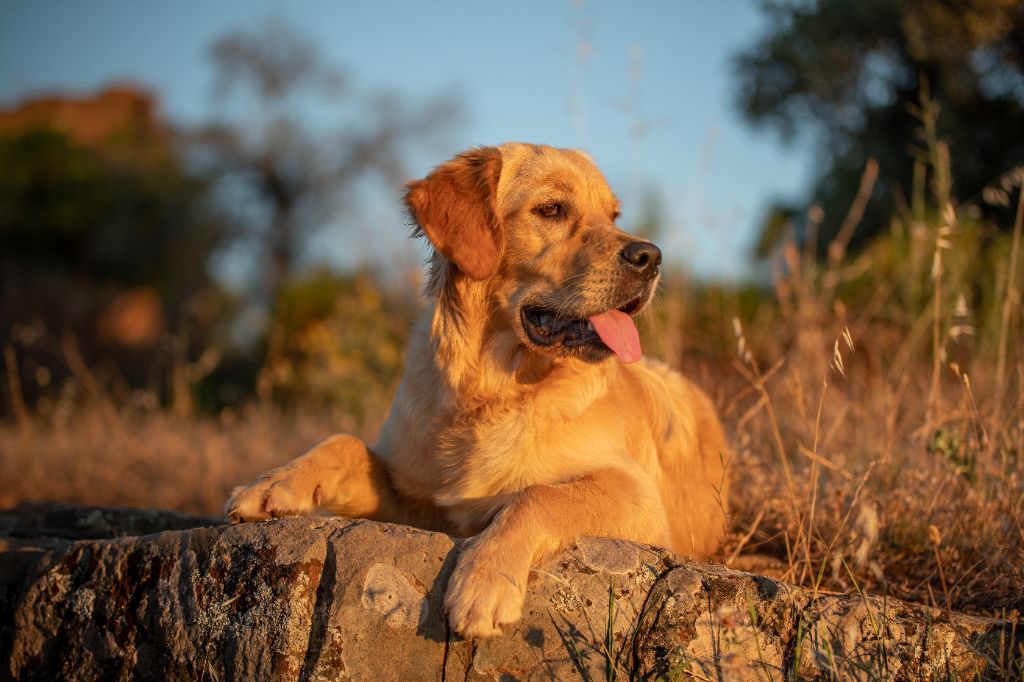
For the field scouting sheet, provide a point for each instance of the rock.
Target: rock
(329, 598)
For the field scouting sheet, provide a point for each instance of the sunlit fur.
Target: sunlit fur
(522, 447)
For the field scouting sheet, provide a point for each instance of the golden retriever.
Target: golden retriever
(526, 416)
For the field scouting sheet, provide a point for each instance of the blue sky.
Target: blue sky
(646, 87)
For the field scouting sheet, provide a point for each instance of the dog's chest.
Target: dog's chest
(491, 458)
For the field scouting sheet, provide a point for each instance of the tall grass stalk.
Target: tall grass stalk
(1011, 301)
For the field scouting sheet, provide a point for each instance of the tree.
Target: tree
(92, 189)
(852, 72)
(105, 238)
(292, 174)
(296, 173)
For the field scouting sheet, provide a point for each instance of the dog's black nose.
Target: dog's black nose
(642, 257)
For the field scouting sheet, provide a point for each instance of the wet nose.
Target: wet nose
(642, 257)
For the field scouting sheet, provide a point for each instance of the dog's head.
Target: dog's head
(536, 226)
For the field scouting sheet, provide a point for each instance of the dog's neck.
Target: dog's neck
(474, 360)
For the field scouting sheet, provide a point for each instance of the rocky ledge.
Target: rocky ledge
(94, 594)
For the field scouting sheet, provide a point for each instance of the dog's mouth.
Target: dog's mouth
(593, 337)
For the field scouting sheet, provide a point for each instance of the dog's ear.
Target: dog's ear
(455, 206)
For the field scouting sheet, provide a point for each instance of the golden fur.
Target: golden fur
(523, 445)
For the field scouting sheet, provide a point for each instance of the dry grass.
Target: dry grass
(881, 443)
(153, 459)
(848, 475)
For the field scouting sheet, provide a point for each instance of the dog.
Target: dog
(526, 416)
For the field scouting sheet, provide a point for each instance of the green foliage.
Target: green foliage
(106, 244)
(610, 671)
(950, 445)
(100, 220)
(342, 343)
(851, 71)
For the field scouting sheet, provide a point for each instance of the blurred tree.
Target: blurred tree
(291, 170)
(853, 71)
(296, 172)
(67, 209)
(103, 231)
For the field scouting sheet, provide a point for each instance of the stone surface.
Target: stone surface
(85, 596)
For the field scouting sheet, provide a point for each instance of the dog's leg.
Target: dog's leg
(339, 475)
(487, 587)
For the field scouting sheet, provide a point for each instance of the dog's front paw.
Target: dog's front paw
(484, 593)
(283, 492)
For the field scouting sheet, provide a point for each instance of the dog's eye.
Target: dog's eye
(552, 209)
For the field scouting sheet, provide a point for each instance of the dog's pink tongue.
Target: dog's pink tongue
(618, 332)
